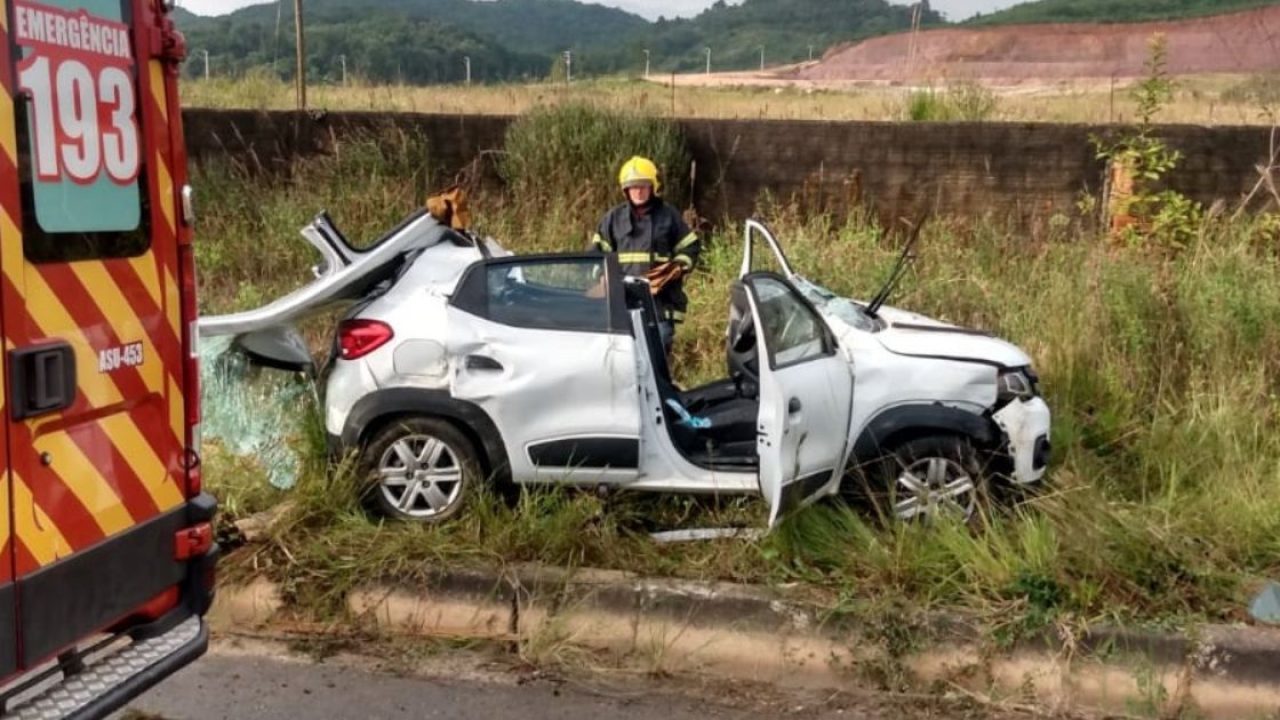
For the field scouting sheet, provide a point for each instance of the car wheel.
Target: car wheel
(420, 469)
(929, 477)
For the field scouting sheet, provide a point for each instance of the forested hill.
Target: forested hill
(426, 40)
(1111, 11)
(538, 26)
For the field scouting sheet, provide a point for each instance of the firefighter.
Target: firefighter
(652, 242)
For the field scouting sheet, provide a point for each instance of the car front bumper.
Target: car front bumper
(1026, 425)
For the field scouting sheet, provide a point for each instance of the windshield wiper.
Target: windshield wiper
(899, 269)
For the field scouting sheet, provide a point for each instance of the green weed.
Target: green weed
(568, 156)
(959, 102)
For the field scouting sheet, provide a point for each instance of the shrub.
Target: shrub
(964, 101)
(926, 106)
(971, 102)
(567, 157)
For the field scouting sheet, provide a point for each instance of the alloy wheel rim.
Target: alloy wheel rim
(935, 486)
(420, 476)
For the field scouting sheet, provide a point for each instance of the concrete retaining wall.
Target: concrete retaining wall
(1024, 172)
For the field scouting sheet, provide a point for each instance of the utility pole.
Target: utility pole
(301, 78)
(1111, 114)
(343, 58)
(810, 53)
(646, 64)
(708, 50)
(761, 58)
(467, 59)
(568, 66)
(206, 64)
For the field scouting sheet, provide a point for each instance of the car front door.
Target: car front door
(806, 397)
(544, 346)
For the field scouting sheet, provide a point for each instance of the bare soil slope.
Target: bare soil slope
(1243, 42)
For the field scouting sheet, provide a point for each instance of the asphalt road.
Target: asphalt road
(275, 685)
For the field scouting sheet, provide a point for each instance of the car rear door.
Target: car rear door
(806, 397)
(91, 313)
(543, 345)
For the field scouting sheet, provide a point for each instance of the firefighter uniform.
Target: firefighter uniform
(651, 238)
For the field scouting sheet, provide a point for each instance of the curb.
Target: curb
(774, 635)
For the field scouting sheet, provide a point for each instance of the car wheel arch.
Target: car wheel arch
(903, 423)
(378, 409)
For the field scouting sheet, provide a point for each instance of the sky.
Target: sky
(953, 9)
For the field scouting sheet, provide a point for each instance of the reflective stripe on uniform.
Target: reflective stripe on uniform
(636, 258)
(684, 260)
(688, 240)
(601, 243)
(675, 315)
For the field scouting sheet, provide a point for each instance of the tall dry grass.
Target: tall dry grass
(1201, 100)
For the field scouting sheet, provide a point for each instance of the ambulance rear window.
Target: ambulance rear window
(81, 142)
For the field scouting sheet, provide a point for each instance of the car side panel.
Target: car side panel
(549, 387)
(884, 381)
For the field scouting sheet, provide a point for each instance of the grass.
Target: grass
(1204, 100)
(961, 102)
(1161, 367)
(576, 149)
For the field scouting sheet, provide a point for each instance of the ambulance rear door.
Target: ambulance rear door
(91, 318)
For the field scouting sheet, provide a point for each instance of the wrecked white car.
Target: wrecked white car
(460, 363)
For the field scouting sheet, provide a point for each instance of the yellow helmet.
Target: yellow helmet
(639, 171)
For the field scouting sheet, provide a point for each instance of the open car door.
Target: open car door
(806, 397)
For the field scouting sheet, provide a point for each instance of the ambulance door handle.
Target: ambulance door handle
(42, 379)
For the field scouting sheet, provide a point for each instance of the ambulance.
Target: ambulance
(107, 552)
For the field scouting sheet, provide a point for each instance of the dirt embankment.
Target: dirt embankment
(1243, 42)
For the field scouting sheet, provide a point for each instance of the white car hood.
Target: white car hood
(919, 336)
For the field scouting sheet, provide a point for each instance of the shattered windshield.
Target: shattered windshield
(829, 303)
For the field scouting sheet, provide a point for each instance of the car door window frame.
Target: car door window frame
(472, 294)
(753, 228)
(829, 344)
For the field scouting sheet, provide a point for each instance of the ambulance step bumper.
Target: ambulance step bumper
(109, 682)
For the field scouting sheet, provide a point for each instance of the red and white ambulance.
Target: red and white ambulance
(106, 544)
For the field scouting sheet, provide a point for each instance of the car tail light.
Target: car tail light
(357, 338)
(191, 366)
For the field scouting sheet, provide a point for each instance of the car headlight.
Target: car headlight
(1016, 384)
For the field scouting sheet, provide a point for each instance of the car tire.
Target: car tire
(922, 479)
(420, 469)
